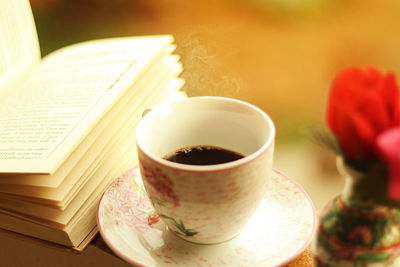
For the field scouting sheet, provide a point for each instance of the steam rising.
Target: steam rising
(206, 65)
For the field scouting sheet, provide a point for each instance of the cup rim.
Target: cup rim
(216, 167)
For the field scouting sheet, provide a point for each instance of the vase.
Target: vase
(360, 227)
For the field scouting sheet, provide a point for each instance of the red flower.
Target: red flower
(362, 104)
(388, 145)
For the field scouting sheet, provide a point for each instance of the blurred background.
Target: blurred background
(280, 55)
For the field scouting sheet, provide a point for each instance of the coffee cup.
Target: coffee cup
(208, 203)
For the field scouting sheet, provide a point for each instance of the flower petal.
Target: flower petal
(388, 147)
(392, 97)
(362, 104)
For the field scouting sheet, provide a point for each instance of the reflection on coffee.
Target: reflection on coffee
(203, 155)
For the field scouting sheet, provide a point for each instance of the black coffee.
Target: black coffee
(203, 155)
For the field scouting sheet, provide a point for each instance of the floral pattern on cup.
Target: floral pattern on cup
(160, 183)
(132, 207)
(180, 226)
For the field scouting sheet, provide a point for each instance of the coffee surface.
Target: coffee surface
(203, 155)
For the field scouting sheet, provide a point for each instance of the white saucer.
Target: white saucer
(279, 231)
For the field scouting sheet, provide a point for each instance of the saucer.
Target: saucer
(278, 232)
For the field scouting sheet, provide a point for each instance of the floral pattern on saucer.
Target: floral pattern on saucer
(129, 204)
(277, 233)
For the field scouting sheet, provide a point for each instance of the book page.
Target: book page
(77, 218)
(25, 227)
(19, 45)
(125, 150)
(57, 218)
(157, 72)
(123, 123)
(42, 121)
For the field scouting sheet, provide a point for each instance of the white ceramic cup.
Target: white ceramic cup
(206, 203)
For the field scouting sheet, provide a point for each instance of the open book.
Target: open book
(67, 122)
